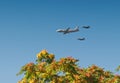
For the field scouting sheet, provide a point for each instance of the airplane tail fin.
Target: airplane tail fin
(77, 28)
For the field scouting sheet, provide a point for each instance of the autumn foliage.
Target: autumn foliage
(66, 70)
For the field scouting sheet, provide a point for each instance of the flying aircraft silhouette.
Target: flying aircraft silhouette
(81, 38)
(86, 27)
(68, 30)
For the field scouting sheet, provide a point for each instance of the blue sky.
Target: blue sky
(28, 26)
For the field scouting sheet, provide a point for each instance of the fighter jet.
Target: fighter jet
(86, 27)
(81, 38)
(68, 30)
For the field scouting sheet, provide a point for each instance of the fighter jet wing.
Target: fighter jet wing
(86, 27)
(81, 38)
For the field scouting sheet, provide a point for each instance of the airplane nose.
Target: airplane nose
(57, 30)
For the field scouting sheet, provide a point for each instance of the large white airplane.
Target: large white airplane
(68, 30)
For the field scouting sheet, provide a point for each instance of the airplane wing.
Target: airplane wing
(66, 31)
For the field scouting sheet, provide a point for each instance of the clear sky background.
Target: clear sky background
(28, 26)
